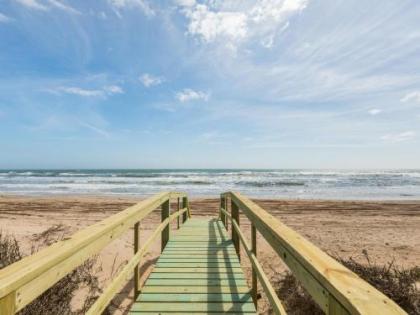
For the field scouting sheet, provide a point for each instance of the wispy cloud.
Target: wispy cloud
(143, 5)
(4, 18)
(187, 95)
(33, 4)
(44, 6)
(103, 92)
(374, 111)
(64, 7)
(95, 129)
(411, 97)
(399, 137)
(113, 89)
(149, 80)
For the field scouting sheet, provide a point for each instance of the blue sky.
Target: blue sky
(209, 84)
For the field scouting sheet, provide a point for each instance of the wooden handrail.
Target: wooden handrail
(335, 288)
(25, 280)
(256, 266)
(126, 273)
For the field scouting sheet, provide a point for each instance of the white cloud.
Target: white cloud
(240, 20)
(185, 3)
(103, 92)
(33, 4)
(59, 5)
(4, 18)
(36, 5)
(187, 95)
(375, 111)
(210, 25)
(411, 97)
(149, 80)
(141, 4)
(399, 137)
(113, 89)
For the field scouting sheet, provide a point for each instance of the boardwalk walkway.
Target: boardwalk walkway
(198, 272)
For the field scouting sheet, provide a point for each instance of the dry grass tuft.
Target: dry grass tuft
(58, 299)
(399, 284)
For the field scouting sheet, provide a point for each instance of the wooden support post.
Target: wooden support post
(178, 208)
(254, 289)
(335, 308)
(165, 232)
(221, 214)
(185, 205)
(235, 237)
(8, 304)
(136, 268)
(226, 218)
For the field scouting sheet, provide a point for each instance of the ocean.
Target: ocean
(270, 183)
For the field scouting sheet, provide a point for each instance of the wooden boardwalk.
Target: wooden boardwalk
(198, 272)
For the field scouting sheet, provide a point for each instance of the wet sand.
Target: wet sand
(387, 230)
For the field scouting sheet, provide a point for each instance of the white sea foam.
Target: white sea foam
(328, 184)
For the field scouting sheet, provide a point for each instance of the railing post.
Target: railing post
(222, 205)
(254, 290)
(8, 304)
(185, 205)
(136, 268)
(178, 208)
(226, 218)
(165, 232)
(335, 308)
(235, 237)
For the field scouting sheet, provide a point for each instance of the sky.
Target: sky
(209, 84)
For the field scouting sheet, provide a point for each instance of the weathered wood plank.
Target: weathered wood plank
(195, 289)
(194, 307)
(195, 297)
(188, 275)
(197, 270)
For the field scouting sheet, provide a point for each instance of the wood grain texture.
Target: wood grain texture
(336, 289)
(202, 276)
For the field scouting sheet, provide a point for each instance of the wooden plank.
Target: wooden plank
(193, 307)
(195, 297)
(196, 282)
(189, 275)
(197, 260)
(200, 265)
(195, 289)
(198, 270)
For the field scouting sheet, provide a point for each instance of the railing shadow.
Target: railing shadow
(125, 292)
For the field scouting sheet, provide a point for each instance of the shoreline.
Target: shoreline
(106, 196)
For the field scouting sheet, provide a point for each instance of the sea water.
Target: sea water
(269, 183)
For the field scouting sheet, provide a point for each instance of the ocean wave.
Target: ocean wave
(270, 183)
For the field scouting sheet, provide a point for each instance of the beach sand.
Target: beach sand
(387, 230)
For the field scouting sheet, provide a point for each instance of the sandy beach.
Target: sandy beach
(387, 230)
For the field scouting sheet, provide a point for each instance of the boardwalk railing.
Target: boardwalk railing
(25, 280)
(336, 289)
